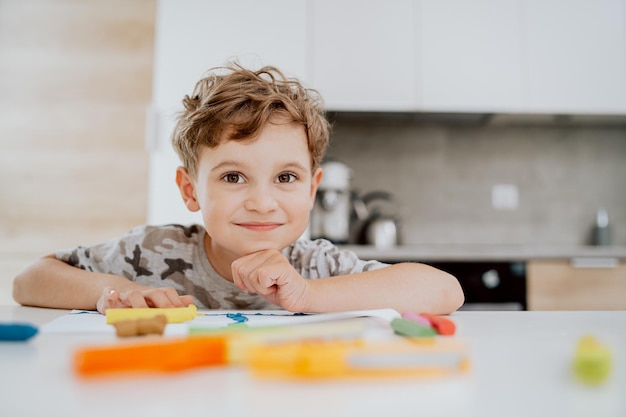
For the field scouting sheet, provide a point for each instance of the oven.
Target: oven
(488, 285)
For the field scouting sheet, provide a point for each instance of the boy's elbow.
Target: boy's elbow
(25, 284)
(18, 289)
(452, 296)
(456, 296)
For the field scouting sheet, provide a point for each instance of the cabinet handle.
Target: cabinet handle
(595, 262)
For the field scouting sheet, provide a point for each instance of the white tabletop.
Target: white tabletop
(521, 366)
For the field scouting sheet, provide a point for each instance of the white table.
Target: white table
(521, 366)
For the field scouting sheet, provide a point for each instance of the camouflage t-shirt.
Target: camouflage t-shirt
(174, 256)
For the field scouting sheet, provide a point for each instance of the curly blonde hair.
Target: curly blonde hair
(238, 104)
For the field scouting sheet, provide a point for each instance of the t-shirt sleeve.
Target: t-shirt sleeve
(120, 256)
(320, 258)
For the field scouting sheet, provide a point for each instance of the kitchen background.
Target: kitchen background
(442, 178)
(83, 156)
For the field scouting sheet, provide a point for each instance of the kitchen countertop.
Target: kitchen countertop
(485, 252)
(520, 366)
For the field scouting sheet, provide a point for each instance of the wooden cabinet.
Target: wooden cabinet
(594, 284)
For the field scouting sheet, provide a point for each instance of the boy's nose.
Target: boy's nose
(260, 199)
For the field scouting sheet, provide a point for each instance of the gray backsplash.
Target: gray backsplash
(441, 176)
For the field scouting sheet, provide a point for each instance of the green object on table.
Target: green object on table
(592, 361)
(409, 328)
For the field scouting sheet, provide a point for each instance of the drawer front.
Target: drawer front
(576, 284)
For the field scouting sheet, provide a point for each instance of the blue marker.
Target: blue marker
(16, 332)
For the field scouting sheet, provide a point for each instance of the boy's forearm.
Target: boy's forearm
(55, 284)
(403, 287)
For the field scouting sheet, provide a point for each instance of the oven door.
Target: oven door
(489, 285)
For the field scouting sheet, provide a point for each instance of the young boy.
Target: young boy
(251, 143)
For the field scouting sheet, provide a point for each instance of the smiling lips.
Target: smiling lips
(260, 227)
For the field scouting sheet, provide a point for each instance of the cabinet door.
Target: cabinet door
(576, 55)
(559, 285)
(193, 36)
(471, 55)
(364, 53)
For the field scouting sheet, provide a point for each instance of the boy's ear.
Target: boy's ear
(315, 183)
(187, 189)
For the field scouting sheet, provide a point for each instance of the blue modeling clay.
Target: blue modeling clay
(16, 332)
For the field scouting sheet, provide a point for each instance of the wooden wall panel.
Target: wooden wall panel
(75, 82)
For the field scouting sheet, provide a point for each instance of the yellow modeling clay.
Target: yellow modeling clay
(173, 315)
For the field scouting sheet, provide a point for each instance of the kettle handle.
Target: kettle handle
(376, 195)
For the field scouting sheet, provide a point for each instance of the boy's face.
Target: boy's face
(254, 195)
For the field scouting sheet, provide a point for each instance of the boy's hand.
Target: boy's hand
(269, 274)
(150, 297)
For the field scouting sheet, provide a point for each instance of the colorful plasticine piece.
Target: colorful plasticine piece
(409, 328)
(141, 327)
(409, 315)
(443, 326)
(17, 332)
(592, 361)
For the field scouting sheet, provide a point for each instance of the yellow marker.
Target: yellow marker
(173, 315)
(592, 361)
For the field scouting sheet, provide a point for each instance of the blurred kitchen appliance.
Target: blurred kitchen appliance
(601, 235)
(379, 225)
(382, 233)
(330, 218)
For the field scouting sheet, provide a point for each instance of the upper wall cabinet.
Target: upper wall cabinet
(470, 55)
(195, 35)
(575, 55)
(518, 56)
(525, 56)
(363, 54)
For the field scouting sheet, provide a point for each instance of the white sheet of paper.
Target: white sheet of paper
(79, 321)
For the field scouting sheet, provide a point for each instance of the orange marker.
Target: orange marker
(442, 325)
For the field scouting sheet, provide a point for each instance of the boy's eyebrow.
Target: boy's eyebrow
(232, 163)
(223, 164)
(295, 165)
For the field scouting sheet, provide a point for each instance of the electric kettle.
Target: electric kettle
(330, 218)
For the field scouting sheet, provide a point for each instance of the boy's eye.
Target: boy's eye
(286, 177)
(233, 178)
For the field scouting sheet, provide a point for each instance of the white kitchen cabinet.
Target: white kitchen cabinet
(364, 54)
(471, 55)
(575, 53)
(516, 56)
(193, 36)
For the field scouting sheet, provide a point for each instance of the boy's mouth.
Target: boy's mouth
(260, 226)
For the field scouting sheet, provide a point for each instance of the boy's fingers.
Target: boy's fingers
(108, 299)
(186, 299)
(134, 299)
(173, 297)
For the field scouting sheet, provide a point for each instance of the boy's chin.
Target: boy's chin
(253, 247)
